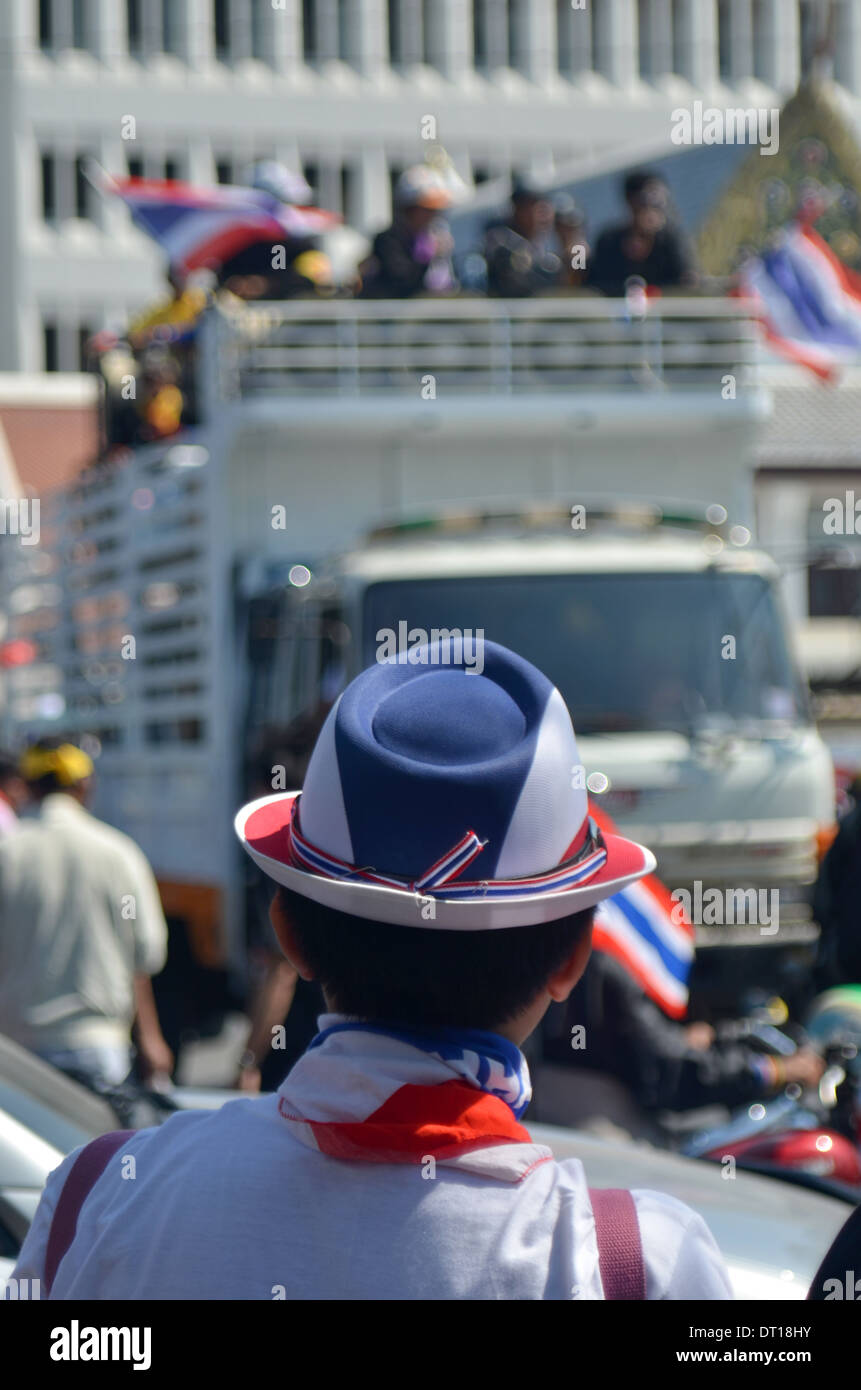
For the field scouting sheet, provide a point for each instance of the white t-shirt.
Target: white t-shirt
(80, 916)
(230, 1205)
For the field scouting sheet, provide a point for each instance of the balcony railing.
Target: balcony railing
(353, 349)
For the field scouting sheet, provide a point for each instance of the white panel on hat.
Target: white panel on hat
(322, 814)
(551, 808)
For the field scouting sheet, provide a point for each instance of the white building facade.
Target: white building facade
(197, 89)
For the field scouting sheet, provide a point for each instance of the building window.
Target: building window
(395, 171)
(311, 173)
(83, 189)
(657, 39)
(224, 170)
(345, 32)
(433, 39)
(479, 33)
(349, 193)
(79, 23)
(260, 46)
(724, 20)
(761, 36)
(50, 347)
(309, 30)
(135, 166)
(171, 33)
(813, 25)
(222, 30)
(46, 24)
(408, 31)
(834, 592)
(564, 36)
(645, 45)
(681, 55)
(49, 187)
(85, 333)
(134, 26)
(172, 167)
(395, 32)
(573, 39)
(514, 41)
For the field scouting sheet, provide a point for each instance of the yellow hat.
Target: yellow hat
(67, 763)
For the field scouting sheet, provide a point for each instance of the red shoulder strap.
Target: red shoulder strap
(80, 1180)
(620, 1249)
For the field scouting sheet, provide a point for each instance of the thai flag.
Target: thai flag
(645, 929)
(202, 228)
(807, 300)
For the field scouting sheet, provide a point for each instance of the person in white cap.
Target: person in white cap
(413, 255)
(285, 185)
(437, 874)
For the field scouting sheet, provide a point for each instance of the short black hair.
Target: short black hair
(426, 977)
(635, 183)
(526, 190)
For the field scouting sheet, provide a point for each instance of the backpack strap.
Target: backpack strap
(620, 1249)
(80, 1180)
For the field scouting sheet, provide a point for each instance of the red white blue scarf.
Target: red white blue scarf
(368, 1093)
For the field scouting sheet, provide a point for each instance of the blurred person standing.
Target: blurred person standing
(81, 931)
(284, 1010)
(174, 319)
(837, 903)
(647, 245)
(521, 252)
(413, 255)
(162, 404)
(13, 794)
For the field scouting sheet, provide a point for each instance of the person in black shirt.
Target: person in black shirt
(647, 245)
(521, 253)
(661, 1063)
(837, 904)
(413, 255)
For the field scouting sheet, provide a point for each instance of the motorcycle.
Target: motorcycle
(815, 1131)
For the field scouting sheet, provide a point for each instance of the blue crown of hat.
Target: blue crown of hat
(429, 759)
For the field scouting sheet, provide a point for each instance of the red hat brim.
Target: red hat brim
(263, 829)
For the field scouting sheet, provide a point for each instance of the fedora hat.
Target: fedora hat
(438, 796)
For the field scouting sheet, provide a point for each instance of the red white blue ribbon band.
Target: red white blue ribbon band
(441, 874)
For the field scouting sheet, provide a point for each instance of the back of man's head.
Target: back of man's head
(644, 183)
(426, 978)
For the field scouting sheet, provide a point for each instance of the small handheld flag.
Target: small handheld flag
(645, 929)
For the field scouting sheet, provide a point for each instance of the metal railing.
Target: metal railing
(348, 348)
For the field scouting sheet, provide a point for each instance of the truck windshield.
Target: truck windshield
(628, 651)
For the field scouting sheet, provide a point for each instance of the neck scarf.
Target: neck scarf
(377, 1094)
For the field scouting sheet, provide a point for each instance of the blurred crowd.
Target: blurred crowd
(538, 245)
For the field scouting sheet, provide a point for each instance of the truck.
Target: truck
(571, 476)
